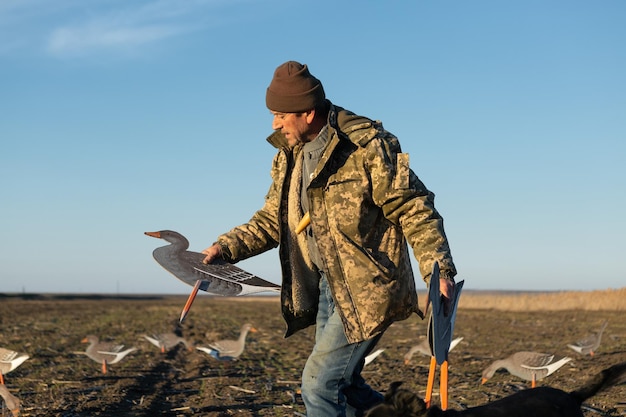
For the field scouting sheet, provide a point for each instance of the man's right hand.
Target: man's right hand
(212, 252)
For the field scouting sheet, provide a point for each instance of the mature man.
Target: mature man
(344, 180)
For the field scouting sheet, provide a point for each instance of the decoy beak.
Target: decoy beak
(153, 234)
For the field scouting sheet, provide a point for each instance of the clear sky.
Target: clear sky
(119, 117)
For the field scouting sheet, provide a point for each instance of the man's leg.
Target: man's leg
(332, 375)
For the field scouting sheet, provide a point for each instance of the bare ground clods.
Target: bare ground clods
(58, 380)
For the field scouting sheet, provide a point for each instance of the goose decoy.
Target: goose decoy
(12, 402)
(588, 345)
(369, 358)
(166, 341)
(104, 352)
(219, 277)
(9, 360)
(530, 366)
(424, 349)
(440, 330)
(229, 349)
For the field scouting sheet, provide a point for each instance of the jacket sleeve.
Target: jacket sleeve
(261, 232)
(407, 202)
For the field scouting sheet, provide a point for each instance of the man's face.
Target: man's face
(294, 126)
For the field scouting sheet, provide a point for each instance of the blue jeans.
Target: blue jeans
(332, 384)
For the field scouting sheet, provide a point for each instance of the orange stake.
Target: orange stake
(192, 297)
(431, 381)
(104, 366)
(443, 385)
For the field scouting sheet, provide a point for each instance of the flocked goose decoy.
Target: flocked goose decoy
(219, 277)
(9, 360)
(590, 344)
(105, 352)
(11, 401)
(530, 366)
(166, 341)
(424, 349)
(228, 349)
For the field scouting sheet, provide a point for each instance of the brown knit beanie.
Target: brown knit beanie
(293, 89)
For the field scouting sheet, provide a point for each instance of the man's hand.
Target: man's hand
(446, 287)
(212, 252)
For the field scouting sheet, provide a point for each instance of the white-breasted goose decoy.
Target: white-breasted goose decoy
(530, 366)
(228, 349)
(105, 352)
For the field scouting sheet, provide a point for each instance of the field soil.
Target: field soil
(59, 380)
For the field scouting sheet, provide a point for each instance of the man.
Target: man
(349, 271)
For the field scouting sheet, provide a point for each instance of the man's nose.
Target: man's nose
(276, 123)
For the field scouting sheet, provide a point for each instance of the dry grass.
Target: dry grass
(611, 299)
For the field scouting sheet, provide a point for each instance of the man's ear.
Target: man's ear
(310, 116)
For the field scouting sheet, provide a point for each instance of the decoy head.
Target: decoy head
(168, 235)
(249, 327)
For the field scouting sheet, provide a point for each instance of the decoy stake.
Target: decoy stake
(192, 297)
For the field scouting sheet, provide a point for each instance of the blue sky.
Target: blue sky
(121, 117)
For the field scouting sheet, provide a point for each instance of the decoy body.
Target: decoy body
(228, 349)
(424, 349)
(12, 402)
(530, 366)
(219, 278)
(166, 341)
(590, 344)
(9, 360)
(369, 358)
(104, 352)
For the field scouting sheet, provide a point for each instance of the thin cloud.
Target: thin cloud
(70, 40)
(71, 27)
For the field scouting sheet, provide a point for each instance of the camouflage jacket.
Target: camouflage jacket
(365, 205)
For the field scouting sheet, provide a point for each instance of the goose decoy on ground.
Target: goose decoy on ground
(104, 352)
(228, 349)
(369, 358)
(589, 344)
(424, 349)
(9, 360)
(12, 402)
(530, 366)
(166, 341)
